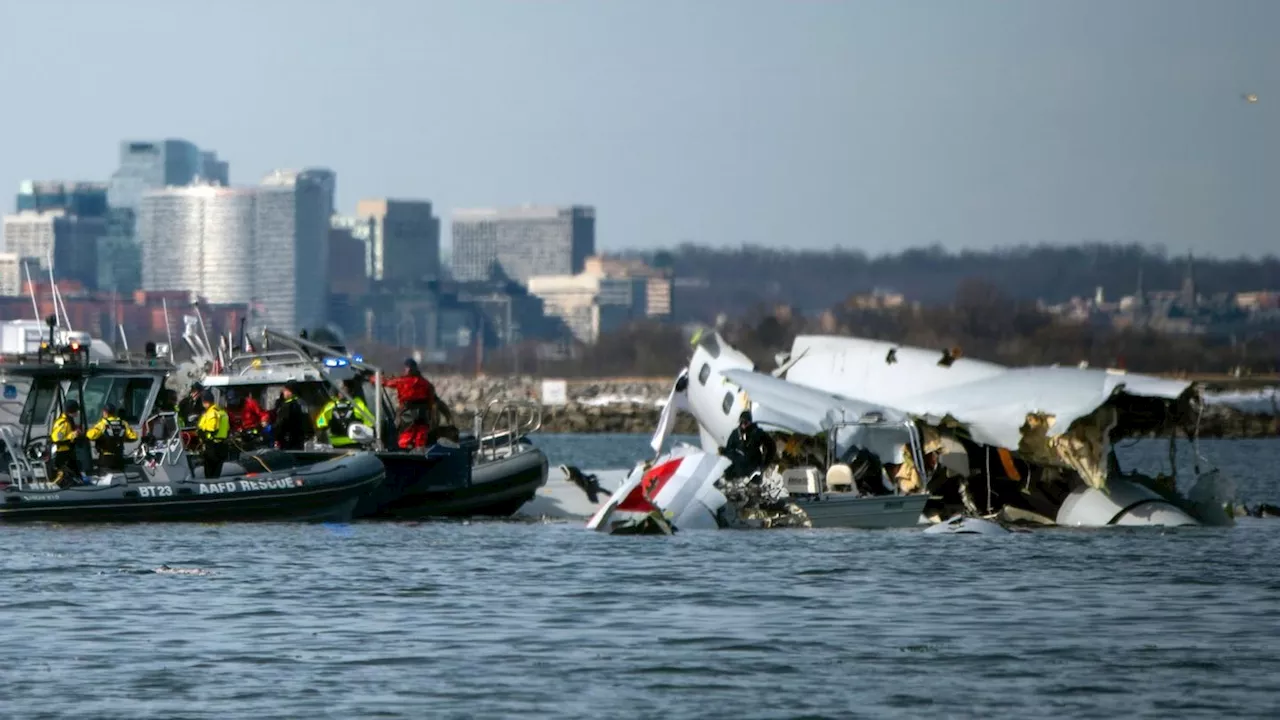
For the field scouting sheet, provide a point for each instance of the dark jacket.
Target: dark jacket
(292, 424)
(189, 410)
(756, 447)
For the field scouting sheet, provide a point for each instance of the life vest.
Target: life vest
(111, 441)
(341, 417)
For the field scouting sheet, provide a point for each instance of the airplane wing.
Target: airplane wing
(810, 411)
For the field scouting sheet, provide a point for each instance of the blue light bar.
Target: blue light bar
(357, 358)
(335, 362)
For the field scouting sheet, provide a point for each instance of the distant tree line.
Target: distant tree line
(981, 321)
(812, 280)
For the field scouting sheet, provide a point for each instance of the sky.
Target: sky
(876, 124)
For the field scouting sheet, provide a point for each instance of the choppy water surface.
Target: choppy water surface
(508, 619)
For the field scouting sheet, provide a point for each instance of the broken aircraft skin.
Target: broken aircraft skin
(1017, 445)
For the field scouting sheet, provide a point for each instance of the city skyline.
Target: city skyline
(872, 125)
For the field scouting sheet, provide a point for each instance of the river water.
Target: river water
(508, 619)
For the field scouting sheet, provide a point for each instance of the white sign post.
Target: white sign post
(555, 392)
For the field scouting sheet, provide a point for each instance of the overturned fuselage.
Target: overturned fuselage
(878, 426)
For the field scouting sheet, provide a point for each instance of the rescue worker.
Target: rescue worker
(109, 435)
(245, 412)
(214, 427)
(415, 436)
(750, 448)
(339, 413)
(191, 407)
(415, 393)
(63, 435)
(291, 425)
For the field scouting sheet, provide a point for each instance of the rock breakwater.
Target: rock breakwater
(605, 405)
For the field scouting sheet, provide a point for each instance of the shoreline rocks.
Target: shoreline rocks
(633, 405)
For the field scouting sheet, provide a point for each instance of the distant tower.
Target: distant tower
(1188, 294)
(1139, 295)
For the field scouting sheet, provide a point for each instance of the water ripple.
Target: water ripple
(480, 620)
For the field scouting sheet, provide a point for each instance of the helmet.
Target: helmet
(207, 396)
(72, 406)
(109, 409)
(745, 417)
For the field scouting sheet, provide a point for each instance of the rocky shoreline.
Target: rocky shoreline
(633, 405)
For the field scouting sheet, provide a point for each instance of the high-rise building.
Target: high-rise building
(214, 171)
(150, 165)
(348, 251)
(522, 242)
(267, 246)
(291, 266)
(199, 239)
(146, 165)
(86, 199)
(11, 277)
(404, 241)
(69, 241)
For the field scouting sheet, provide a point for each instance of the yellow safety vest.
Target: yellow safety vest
(64, 432)
(214, 425)
(111, 433)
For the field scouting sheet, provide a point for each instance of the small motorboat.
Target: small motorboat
(490, 471)
(162, 483)
(163, 488)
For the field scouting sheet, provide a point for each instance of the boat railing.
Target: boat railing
(501, 425)
(242, 364)
(165, 448)
(23, 470)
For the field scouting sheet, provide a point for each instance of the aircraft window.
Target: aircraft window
(727, 405)
(704, 373)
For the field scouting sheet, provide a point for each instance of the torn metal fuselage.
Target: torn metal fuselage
(1013, 443)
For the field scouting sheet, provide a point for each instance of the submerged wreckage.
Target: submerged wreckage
(870, 434)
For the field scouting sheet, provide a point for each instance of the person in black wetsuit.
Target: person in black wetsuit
(292, 424)
(750, 448)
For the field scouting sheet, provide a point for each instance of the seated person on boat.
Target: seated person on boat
(339, 414)
(109, 435)
(290, 423)
(214, 428)
(749, 447)
(246, 415)
(63, 435)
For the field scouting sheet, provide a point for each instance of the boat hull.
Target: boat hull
(444, 482)
(326, 491)
(837, 510)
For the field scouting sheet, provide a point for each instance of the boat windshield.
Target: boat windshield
(35, 411)
(128, 394)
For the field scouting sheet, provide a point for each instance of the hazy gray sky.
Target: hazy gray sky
(876, 125)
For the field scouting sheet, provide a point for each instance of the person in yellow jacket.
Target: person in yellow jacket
(63, 435)
(109, 435)
(214, 426)
(339, 414)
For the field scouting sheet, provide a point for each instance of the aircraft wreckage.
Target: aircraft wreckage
(869, 434)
